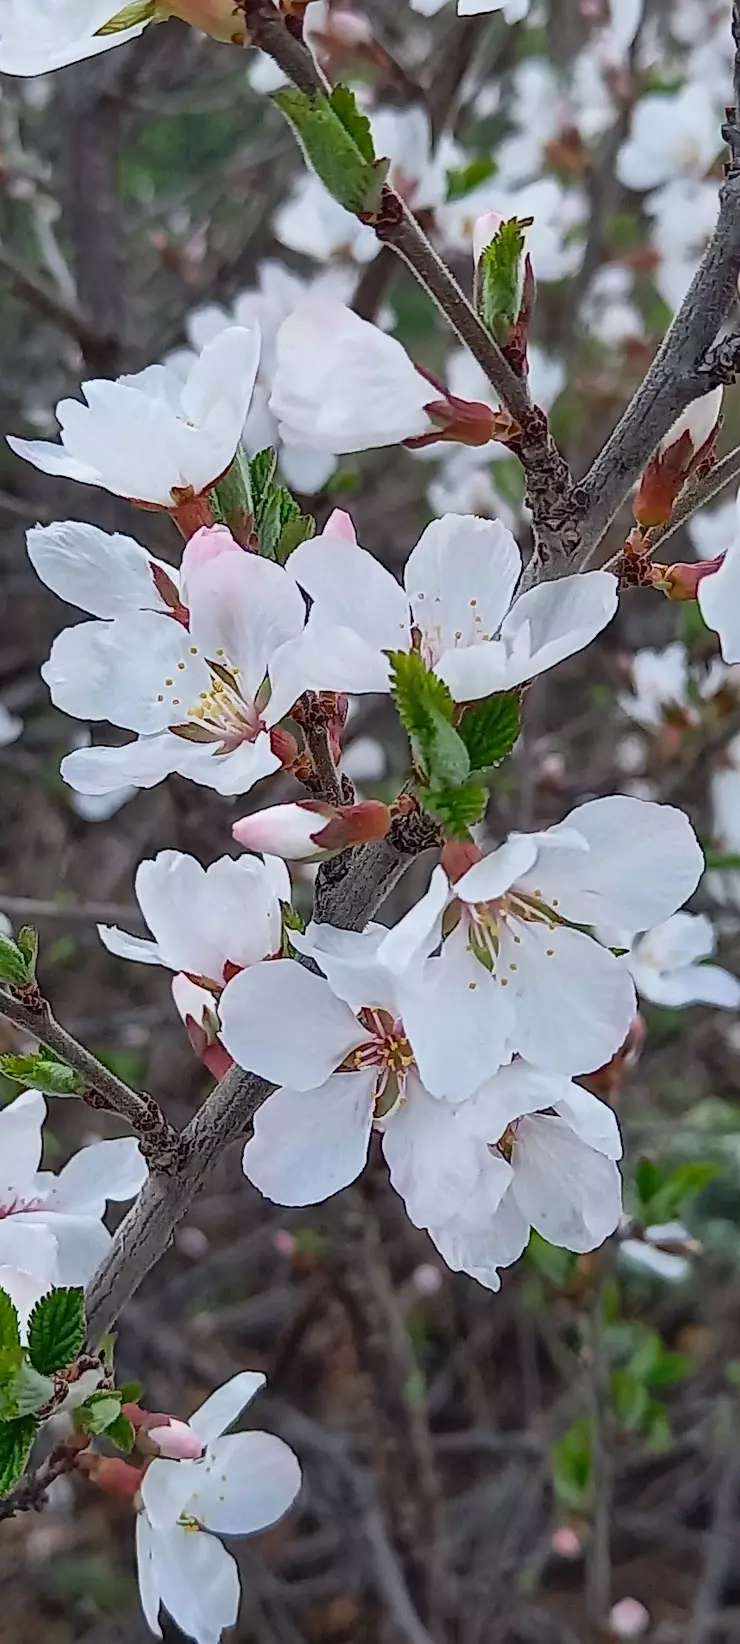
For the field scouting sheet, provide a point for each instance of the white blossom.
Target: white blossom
(51, 1227)
(152, 436)
(667, 968)
(674, 134)
(455, 606)
(183, 660)
(39, 35)
(241, 1484)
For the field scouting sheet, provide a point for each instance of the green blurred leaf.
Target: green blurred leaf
(14, 966)
(16, 1439)
(137, 11)
(42, 1073)
(629, 1399)
(461, 180)
(676, 1187)
(571, 1461)
(130, 1392)
(489, 729)
(551, 1260)
(56, 1330)
(336, 139)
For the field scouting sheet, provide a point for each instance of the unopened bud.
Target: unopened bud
(112, 1474)
(176, 1440)
(466, 422)
(485, 229)
(196, 1008)
(681, 581)
(210, 542)
(310, 831)
(339, 524)
(458, 856)
(566, 1542)
(686, 447)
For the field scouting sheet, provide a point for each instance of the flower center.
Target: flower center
(16, 1206)
(224, 714)
(484, 921)
(388, 1050)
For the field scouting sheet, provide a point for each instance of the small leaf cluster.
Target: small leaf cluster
(500, 279)
(257, 509)
(450, 758)
(337, 141)
(18, 958)
(42, 1072)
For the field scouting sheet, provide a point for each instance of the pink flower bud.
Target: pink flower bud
(339, 524)
(177, 1441)
(426, 1279)
(629, 1618)
(699, 421)
(687, 447)
(566, 1542)
(310, 831)
(209, 543)
(485, 230)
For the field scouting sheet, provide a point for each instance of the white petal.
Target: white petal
(326, 658)
(250, 1480)
(21, 1122)
(419, 932)
(459, 1021)
(571, 1194)
(27, 1245)
(592, 1120)
(433, 1163)
(514, 1091)
(199, 1583)
(352, 965)
(224, 1407)
(100, 770)
(719, 602)
(106, 1170)
(104, 575)
(498, 871)
(129, 947)
(643, 862)
(460, 579)
(562, 617)
(119, 671)
(245, 607)
(341, 384)
(54, 459)
(309, 1144)
(352, 590)
(480, 1247)
(165, 1488)
(283, 1023)
(474, 671)
(574, 1001)
(147, 1573)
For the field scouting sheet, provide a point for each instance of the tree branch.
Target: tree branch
(160, 1141)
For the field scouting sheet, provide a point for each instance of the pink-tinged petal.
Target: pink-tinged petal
(104, 575)
(339, 524)
(460, 580)
(176, 1441)
(280, 1021)
(249, 1482)
(209, 543)
(309, 1144)
(225, 1405)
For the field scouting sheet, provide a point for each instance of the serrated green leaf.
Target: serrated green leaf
(500, 279)
(29, 1391)
(489, 729)
(426, 709)
(231, 499)
(13, 964)
(56, 1330)
(98, 1413)
(292, 535)
(331, 133)
(16, 1439)
(42, 1073)
(122, 1433)
(262, 469)
(28, 941)
(10, 1332)
(458, 809)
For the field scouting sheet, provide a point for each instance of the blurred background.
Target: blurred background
(561, 1459)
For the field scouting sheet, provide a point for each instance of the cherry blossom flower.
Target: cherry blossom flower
(310, 830)
(342, 384)
(529, 1150)
(312, 222)
(51, 1226)
(37, 36)
(207, 923)
(459, 584)
(151, 437)
(514, 966)
(666, 965)
(241, 1484)
(674, 134)
(713, 530)
(668, 690)
(183, 661)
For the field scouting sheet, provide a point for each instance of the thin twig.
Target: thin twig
(49, 303)
(31, 907)
(160, 1140)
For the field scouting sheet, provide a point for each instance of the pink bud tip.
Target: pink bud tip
(427, 1279)
(629, 1618)
(284, 1242)
(485, 230)
(210, 542)
(339, 524)
(177, 1441)
(566, 1543)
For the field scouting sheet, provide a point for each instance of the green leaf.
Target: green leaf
(231, 498)
(426, 709)
(681, 1184)
(16, 1439)
(122, 1433)
(458, 809)
(629, 1399)
(14, 966)
(56, 1330)
(489, 729)
(647, 1180)
(571, 1465)
(291, 920)
(500, 279)
(42, 1073)
(551, 1260)
(262, 470)
(28, 941)
(29, 1391)
(294, 532)
(10, 1333)
(138, 11)
(336, 140)
(98, 1413)
(655, 1366)
(461, 180)
(130, 1392)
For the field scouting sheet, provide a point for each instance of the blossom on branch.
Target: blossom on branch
(151, 437)
(242, 1483)
(667, 965)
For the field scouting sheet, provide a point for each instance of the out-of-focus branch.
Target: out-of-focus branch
(93, 215)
